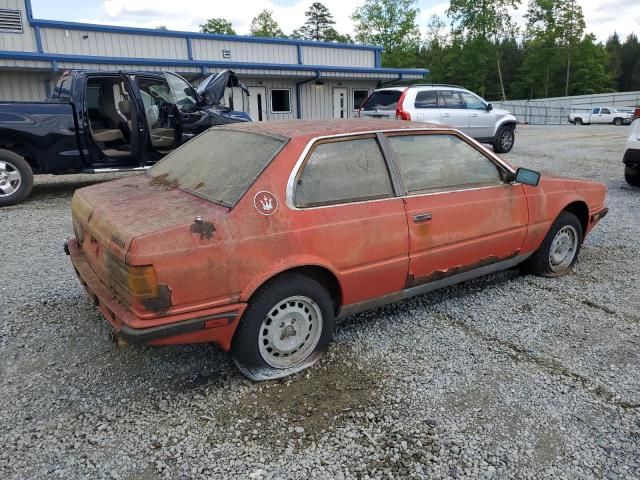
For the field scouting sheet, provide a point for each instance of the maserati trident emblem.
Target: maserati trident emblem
(266, 203)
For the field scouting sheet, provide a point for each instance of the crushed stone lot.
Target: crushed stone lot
(507, 376)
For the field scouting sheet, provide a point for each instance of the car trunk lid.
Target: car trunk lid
(109, 216)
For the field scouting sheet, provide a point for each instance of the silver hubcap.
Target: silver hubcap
(290, 332)
(10, 179)
(507, 139)
(563, 248)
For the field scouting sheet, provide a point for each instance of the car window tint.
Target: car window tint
(219, 164)
(472, 102)
(382, 100)
(427, 99)
(341, 172)
(450, 99)
(429, 162)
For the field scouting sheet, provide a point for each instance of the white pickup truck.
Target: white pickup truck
(608, 115)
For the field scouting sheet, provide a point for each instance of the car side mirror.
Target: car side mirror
(527, 177)
(489, 107)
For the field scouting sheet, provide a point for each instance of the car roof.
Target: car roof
(319, 128)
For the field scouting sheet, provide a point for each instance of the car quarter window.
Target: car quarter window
(342, 172)
(450, 99)
(426, 99)
(441, 162)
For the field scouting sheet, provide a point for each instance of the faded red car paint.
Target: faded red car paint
(371, 250)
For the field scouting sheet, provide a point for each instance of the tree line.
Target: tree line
(479, 45)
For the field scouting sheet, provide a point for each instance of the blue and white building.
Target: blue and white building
(287, 78)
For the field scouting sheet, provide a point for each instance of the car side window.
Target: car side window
(596, 110)
(343, 172)
(450, 99)
(605, 111)
(441, 162)
(426, 99)
(472, 102)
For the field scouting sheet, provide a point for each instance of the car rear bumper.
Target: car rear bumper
(215, 325)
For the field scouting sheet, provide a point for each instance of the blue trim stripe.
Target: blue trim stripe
(27, 6)
(207, 36)
(60, 57)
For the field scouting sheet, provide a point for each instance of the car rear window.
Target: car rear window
(383, 100)
(219, 164)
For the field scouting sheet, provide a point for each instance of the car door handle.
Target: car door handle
(421, 217)
(445, 114)
(474, 114)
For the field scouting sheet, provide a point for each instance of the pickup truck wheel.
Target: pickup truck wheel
(632, 175)
(617, 121)
(16, 178)
(286, 328)
(559, 250)
(504, 140)
(578, 121)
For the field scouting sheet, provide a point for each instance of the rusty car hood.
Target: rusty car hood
(115, 213)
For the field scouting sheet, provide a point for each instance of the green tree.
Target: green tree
(318, 26)
(559, 24)
(486, 20)
(630, 56)
(218, 25)
(264, 25)
(614, 65)
(392, 25)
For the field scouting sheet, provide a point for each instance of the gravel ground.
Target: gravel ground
(508, 376)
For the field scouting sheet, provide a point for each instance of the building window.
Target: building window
(281, 100)
(10, 21)
(359, 96)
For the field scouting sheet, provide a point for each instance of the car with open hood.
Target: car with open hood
(311, 221)
(101, 121)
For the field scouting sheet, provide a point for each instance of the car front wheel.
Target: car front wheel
(16, 178)
(559, 251)
(504, 140)
(632, 175)
(286, 328)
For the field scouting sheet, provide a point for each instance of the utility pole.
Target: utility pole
(566, 84)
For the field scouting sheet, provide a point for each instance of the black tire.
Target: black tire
(578, 121)
(540, 262)
(504, 140)
(617, 121)
(271, 297)
(632, 175)
(9, 164)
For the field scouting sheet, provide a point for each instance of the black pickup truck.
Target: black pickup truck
(100, 121)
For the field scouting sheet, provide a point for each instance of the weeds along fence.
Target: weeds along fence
(555, 111)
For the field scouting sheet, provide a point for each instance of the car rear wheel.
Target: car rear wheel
(504, 140)
(578, 121)
(617, 121)
(632, 175)
(286, 328)
(559, 251)
(16, 178)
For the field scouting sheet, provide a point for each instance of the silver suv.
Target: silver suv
(446, 105)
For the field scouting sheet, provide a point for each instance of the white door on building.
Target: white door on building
(258, 103)
(340, 106)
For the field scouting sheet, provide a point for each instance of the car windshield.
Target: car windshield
(382, 100)
(219, 164)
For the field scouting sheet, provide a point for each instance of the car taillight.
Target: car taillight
(133, 282)
(401, 113)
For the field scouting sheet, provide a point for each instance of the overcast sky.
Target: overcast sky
(603, 17)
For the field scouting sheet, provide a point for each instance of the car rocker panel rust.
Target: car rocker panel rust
(167, 266)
